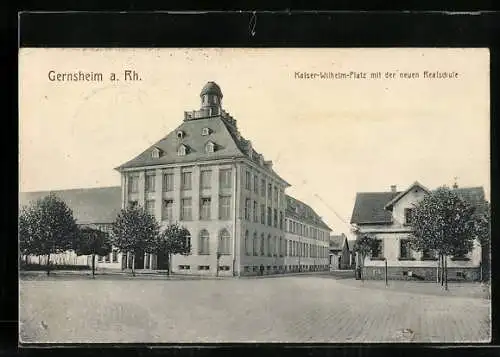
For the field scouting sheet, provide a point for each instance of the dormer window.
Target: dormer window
(210, 147)
(205, 131)
(155, 153)
(182, 151)
(180, 134)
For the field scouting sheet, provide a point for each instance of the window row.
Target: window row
(252, 183)
(223, 246)
(225, 181)
(273, 218)
(186, 211)
(306, 250)
(406, 251)
(290, 268)
(264, 246)
(305, 230)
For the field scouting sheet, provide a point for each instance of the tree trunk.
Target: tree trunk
(39, 260)
(445, 273)
(169, 263)
(437, 269)
(133, 264)
(442, 270)
(48, 264)
(93, 266)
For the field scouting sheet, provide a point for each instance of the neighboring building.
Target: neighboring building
(339, 252)
(92, 207)
(211, 180)
(352, 254)
(387, 215)
(306, 238)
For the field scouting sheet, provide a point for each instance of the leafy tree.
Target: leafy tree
(364, 245)
(133, 231)
(173, 240)
(93, 242)
(442, 222)
(47, 227)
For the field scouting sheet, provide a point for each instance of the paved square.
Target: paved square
(284, 309)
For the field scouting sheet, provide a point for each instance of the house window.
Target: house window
(205, 131)
(150, 207)
(248, 180)
(225, 178)
(203, 267)
(247, 208)
(155, 154)
(210, 147)
(256, 184)
(180, 134)
(262, 214)
(188, 241)
(262, 245)
(377, 249)
(290, 248)
(132, 204)
(114, 255)
(168, 182)
(408, 215)
(204, 240)
(107, 258)
(150, 183)
(404, 249)
(275, 195)
(255, 244)
(428, 254)
(255, 212)
(247, 244)
(225, 207)
(186, 209)
(205, 208)
(167, 209)
(269, 216)
(269, 191)
(281, 220)
(186, 180)
(224, 242)
(460, 254)
(275, 216)
(206, 179)
(182, 150)
(268, 245)
(99, 258)
(263, 188)
(133, 186)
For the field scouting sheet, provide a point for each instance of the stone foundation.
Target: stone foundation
(420, 273)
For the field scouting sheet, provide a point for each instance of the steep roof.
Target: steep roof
(391, 203)
(369, 207)
(89, 205)
(302, 212)
(474, 195)
(337, 242)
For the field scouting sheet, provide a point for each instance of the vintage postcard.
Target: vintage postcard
(185, 195)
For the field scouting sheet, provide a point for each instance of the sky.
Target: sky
(329, 138)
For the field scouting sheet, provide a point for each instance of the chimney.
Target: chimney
(394, 188)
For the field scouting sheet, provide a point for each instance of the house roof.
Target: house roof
(391, 203)
(372, 207)
(300, 211)
(337, 242)
(89, 205)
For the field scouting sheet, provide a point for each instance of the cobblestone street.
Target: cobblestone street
(285, 309)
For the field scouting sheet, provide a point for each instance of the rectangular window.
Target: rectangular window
(247, 208)
(225, 178)
(133, 186)
(203, 267)
(168, 182)
(225, 207)
(428, 254)
(275, 218)
(205, 208)
(150, 183)
(206, 179)
(99, 258)
(107, 258)
(114, 255)
(248, 180)
(269, 192)
(186, 211)
(269, 216)
(281, 220)
(256, 184)
(186, 180)
(167, 210)
(263, 188)
(262, 214)
(150, 207)
(255, 212)
(408, 215)
(275, 195)
(132, 204)
(377, 249)
(404, 249)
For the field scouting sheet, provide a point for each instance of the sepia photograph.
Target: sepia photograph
(254, 195)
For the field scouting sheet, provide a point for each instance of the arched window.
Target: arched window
(247, 243)
(255, 244)
(262, 245)
(204, 242)
(224, 242)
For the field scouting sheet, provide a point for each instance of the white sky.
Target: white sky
(330, 138)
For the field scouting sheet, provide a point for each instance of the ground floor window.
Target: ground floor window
(203, 267)
(114, 256)
(184, 267)
(224, 268)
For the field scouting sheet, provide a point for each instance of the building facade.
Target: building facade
(387, 217)
(205, 176)
(340, 256)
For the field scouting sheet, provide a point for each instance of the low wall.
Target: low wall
(421, 273)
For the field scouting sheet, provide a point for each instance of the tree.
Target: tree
(173, 240)
(47, 227)
(364, 246)
(93, 242)
(133, 231)
(443, 222)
